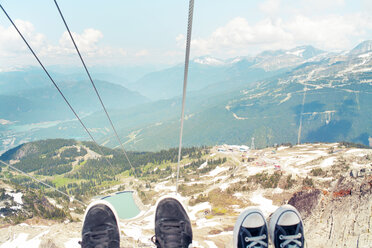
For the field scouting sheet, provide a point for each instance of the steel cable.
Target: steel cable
(45, 184)
(94, 86)
(55, 85)
(186, 71)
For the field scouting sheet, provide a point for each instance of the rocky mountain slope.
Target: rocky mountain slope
(330, 184)
(19, 204)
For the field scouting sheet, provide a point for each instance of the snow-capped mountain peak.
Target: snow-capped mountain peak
(207, 60)
(305, 52)
(363, 47)
(235, 60)
(296, 52)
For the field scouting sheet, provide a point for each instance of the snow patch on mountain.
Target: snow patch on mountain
(193, 210)
(73, 243)
(132, 231)
(238, 117)
(16, 196)
(203, 165)
(235, 60)
(296, 52)
(365, 55)
(203, 222)
(263, 203)
(289, 95)
(5, 122)
(211, 244)
(217, 171)
(363, 47)
(328, 162)
(209, 61)
(21, 240)
(226, 233)
(226, 185)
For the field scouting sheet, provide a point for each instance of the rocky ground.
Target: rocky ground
(331, 185)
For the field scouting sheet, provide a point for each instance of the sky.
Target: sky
(143, 32)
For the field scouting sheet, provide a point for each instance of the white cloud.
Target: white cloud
(174, 53)
(15, 54)
(86, 42)
(11, 43)
(333, 32)
(270, 6)
(123, 52)
(13, 47)
(142, 53)
(238, 37)
(367, 5)
(323, 4)
(181, 41)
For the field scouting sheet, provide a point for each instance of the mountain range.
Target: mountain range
(221, 74)
(267, 97)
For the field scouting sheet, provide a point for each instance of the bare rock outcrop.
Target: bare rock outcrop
(305, 201)
(342, 217)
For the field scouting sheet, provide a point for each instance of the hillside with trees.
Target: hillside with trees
(78, 169)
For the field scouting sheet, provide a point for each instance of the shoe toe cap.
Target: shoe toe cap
(288, 218)
(253, 220)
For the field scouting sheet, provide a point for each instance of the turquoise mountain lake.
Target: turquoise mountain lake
(124, 204)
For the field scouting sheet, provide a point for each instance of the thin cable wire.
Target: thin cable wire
(51, 79)
(45, 184)
(186, 71)
(302, 111)
(94, 86)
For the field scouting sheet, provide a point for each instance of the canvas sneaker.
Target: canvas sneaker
(286, 228)
(100, 228)
(250, 230)
(172, 225)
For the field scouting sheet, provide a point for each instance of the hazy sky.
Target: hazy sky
(117, 32)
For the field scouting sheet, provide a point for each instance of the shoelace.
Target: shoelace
(99, 236)
(258, 240)
(290, 239)
(172, 232)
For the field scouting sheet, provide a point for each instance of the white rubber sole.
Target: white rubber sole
(240, 221)
(276, 215)
(107, 204)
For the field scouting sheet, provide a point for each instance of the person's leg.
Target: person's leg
(286, 228)
(250, 229)
(172, 225)
(101, 227)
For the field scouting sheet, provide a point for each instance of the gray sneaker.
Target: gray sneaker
(250, 230)
(286, 228)
(100, 228)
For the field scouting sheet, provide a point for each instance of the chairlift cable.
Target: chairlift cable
(186, 70)
(45, 70)
(56, 86)
(45, 184)
(94, 86)
(51, 79)
(301, 118)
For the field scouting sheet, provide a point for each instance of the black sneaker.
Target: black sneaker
(172, 225)
(286, 228)
(100, 228)
(250, 230)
